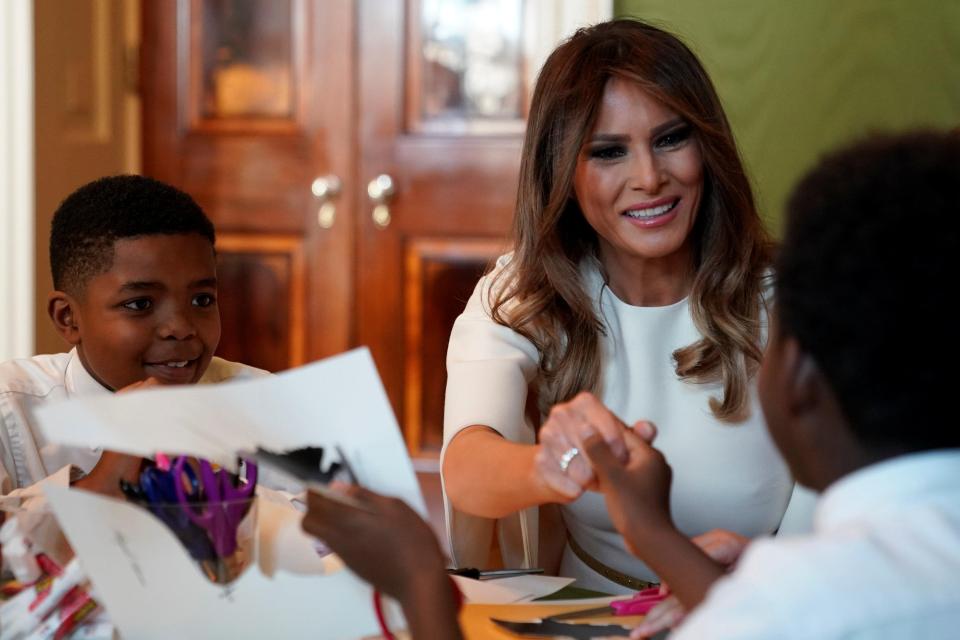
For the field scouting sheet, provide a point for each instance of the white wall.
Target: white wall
(16, 179)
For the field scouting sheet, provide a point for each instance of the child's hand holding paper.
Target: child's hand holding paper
(390, 546)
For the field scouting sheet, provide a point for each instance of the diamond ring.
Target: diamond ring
(568, 457)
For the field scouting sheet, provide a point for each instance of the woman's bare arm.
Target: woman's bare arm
(487, 475)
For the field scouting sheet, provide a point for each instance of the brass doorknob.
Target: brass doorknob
(326, 189)
(381, 191)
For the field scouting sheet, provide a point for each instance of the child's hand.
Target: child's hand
(722, 546)
(666, 614)
(142, 384)
(386, 543)
(637, 491)
(112, 467)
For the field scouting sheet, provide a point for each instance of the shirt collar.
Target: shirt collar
(888, 485)
(78, 380)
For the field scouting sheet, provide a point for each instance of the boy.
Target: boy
(857, 390)
(855, 386)
(134, 272)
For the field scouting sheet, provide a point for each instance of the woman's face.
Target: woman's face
(639, 177)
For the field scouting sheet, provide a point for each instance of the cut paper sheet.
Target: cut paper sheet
(337, 401)
(32, 497)
(513, 590)
(152, 589)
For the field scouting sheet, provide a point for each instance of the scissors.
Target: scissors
(216, 504)
(157, 491)
(637, 605)
(551, 628)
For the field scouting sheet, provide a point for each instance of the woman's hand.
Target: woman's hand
(560, 461)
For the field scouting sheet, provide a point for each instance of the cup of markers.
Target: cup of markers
(210, 510)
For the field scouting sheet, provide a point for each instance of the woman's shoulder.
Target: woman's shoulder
(493, 285)
(476, 335)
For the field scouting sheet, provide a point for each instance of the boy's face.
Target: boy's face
(152, 314)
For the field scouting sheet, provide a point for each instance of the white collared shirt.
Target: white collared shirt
(883, 562)
(25, 455)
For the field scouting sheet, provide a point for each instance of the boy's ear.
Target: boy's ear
(62, 309)
(805, 381)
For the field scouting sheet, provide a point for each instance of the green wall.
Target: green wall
(800, 77)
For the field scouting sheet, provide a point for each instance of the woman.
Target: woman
(638, 276)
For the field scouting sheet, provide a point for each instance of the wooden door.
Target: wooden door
(247, 106)
(442, 93)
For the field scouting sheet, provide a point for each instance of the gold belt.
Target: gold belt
(606, 571)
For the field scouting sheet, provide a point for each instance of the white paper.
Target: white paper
(337, 401)
(533, 586)
(146, 579)
(31, 497)
(513, 590)
(284, 545)
(152, 589)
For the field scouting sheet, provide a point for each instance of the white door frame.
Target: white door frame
(16, 180)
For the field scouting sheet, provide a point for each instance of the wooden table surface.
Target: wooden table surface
(476, 624)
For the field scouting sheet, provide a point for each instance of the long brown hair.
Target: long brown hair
(542, 296)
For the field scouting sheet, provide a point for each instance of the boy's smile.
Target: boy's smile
(152, 314)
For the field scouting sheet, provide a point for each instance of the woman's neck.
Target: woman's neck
(648, 282)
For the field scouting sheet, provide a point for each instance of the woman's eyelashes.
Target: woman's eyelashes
(673, 138)
(608, 151)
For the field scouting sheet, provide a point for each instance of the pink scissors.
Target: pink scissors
(637, 605)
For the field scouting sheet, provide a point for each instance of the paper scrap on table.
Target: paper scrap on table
(337, 401)
(513, 590)
(152, 589)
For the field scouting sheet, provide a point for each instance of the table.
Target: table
(476, 625)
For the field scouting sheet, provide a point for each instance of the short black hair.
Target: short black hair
(864, 279)
(91, 219)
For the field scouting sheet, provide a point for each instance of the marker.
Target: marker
(491, 574)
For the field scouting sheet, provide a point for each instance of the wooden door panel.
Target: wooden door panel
(263, 328)
(245, 67)
(439, 276)
(245, 186)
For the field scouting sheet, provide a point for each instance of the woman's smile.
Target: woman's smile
(655, 213)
